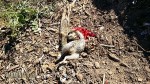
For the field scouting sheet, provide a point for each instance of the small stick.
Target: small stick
(57, 23)
(141, 47)
(13, 67)
(111, 46)
(104, 78)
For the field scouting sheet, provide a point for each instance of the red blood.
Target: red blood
(85, 32)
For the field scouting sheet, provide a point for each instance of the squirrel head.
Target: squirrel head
(72, 36)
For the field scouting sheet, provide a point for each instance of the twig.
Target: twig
(57, 23)
(141, 47)
(111, 46)
(103, 79)
(13, 67)
(53, 30)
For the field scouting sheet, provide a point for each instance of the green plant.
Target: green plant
(20, 15)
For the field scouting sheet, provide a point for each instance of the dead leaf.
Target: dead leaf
(79, 76)
(47, 65)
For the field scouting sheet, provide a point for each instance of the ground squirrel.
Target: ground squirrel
(72, 49)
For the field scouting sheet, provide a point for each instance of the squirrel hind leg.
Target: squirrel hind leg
(72, 56)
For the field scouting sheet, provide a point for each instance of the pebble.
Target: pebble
(84, 54)
(97, 65)
(102, 28)
(38, 77)
(79, 76)
(140, 79)
(104, 62)
(110, 72)
(114, 57)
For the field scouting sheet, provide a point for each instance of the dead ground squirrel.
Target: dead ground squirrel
(72, 49)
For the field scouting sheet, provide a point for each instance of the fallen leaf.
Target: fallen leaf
(79, 76)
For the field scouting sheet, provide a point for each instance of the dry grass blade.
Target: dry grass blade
(103, 78)
(111, 46)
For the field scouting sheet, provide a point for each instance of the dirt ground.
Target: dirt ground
(112, 54)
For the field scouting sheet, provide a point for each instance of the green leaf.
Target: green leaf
(35, 26)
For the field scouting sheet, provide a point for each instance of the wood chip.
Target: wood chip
(114, 57)
(54, 54)
(79, 76)
(111, 46)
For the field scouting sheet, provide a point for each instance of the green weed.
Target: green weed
(20, 15)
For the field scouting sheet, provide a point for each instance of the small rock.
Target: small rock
(140, 79)
(114, 57)
(102, 38)
(110, 72)
(45, 49)
(104, 62)
(102, 28)
(83, 54)
(97, 65)
(38, 77)
(79, 76)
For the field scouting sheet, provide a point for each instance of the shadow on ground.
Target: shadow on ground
(133, 16)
